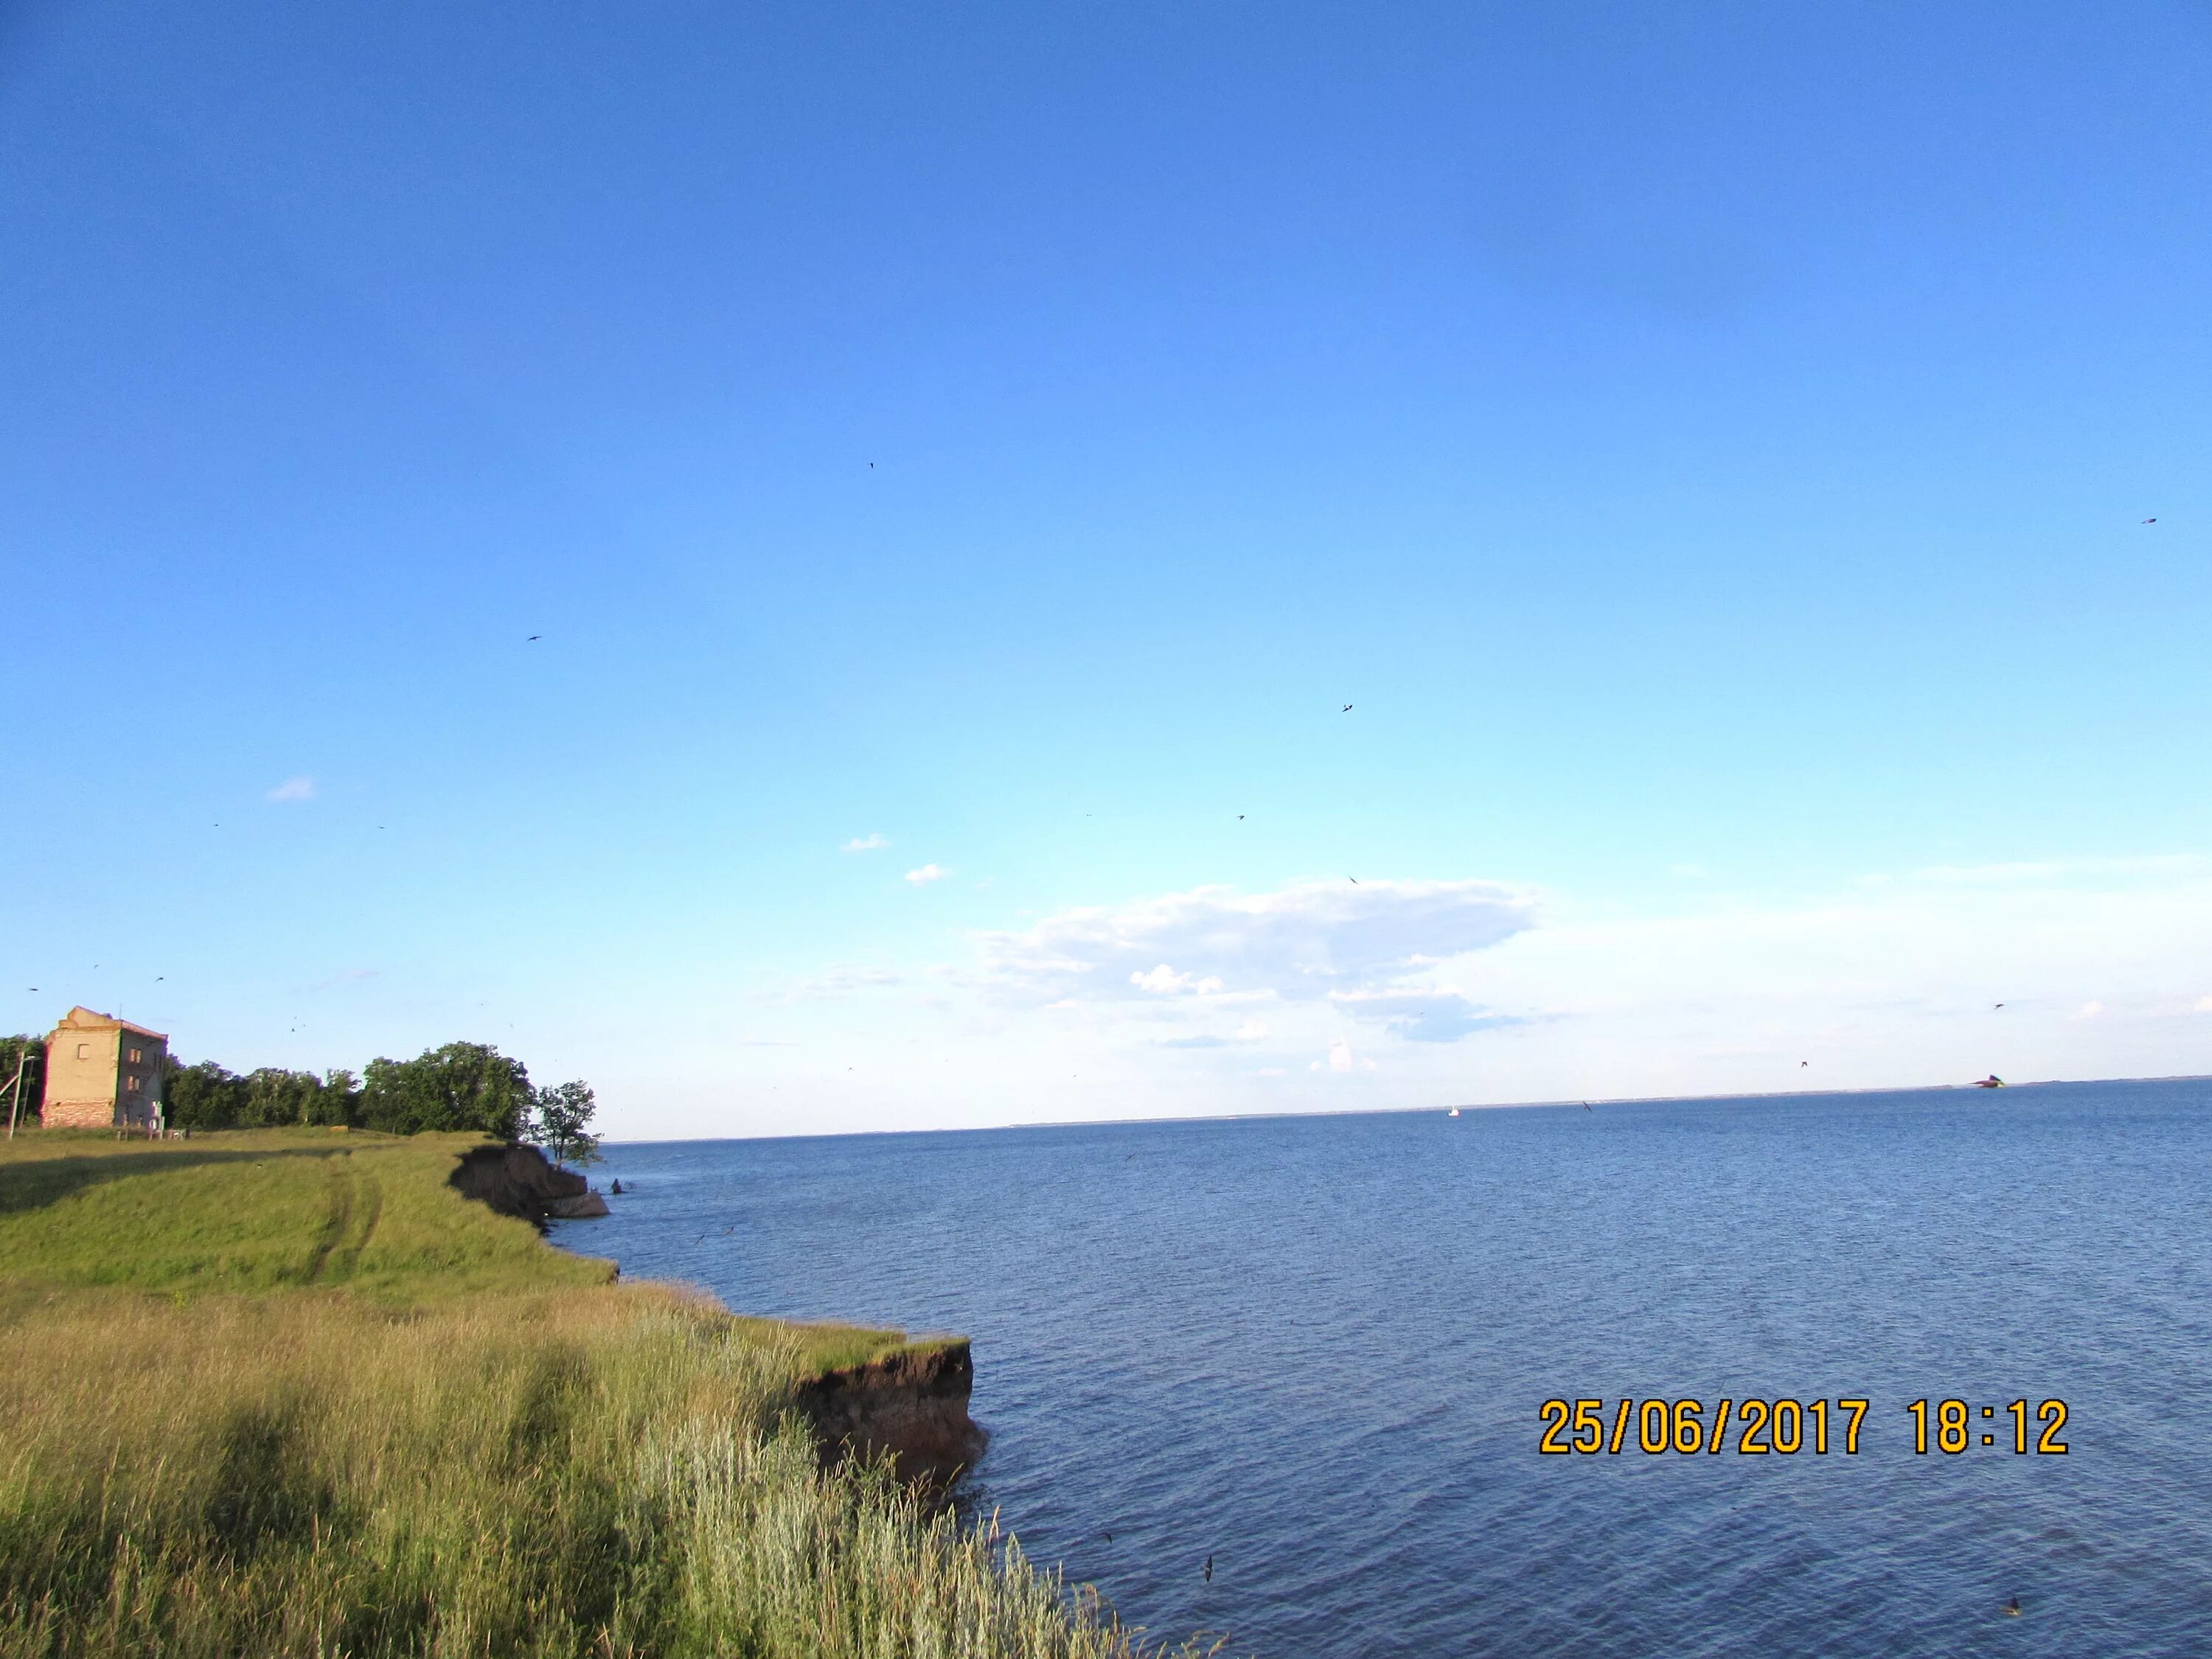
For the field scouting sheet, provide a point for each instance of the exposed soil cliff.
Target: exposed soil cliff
(517, 1180)
(913, 1403)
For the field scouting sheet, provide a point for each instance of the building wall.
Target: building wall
(84, 1069)
(101, 1074)
(140, 1074)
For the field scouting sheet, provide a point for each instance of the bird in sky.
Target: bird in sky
(1347, 708)
(1588, 1107)
(534, 636)
(158, 978)
(1240, 817)
(1354, 880)
(1999, 1006)
(2150, 521)
(1802, 1064)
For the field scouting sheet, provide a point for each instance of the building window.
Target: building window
(137, 1059)
(84, 1051)
(136, 1082)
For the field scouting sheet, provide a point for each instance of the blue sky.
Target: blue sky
(1708, 446)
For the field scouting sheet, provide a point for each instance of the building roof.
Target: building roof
(82, 1019)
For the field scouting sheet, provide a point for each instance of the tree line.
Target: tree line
(462, 1086)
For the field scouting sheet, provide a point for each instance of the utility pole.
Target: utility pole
(16, 1103)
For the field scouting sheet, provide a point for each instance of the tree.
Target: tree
(32, 1052)
(205, 1096)
(463, 1085)
(560, 1122)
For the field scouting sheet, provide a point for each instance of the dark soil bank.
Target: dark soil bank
(517, 1180)
(913, 1403)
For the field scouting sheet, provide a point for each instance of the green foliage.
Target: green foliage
(203, 1096)
(32, 1052)
(462, 1086)
(562, 1122)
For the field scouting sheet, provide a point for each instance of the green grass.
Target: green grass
(285, 1392)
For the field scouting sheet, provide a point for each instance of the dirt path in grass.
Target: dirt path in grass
(356, 1201)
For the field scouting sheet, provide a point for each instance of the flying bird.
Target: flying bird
(1345, 709)
(1240, 817)
(1999, 1006)
(1588, 1107)
(1209, 1569)
(2146, 521)
(1354, 880)
(534, 636)
(1802, 1064)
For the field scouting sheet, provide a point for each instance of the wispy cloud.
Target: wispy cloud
(1303, 943)
(2047, 871)
(927, 873)
(299, 788)
(1439, 1016)
(873, 843)
(839, 981)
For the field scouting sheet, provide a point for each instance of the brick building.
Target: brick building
(102, 1071)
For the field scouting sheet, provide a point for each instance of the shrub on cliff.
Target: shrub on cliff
(560, 1122)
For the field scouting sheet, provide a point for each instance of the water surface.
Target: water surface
(1315, 1349)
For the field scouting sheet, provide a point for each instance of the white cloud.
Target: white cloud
(867, 843)
(1164, 981)
(2089, 1010)
(1302, 943)
(1339, 1055)
(299, 788)
(927, 873)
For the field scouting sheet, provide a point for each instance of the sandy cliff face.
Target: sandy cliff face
(517, 1180)
(913, 1403)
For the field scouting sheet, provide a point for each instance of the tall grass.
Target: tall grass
(557, 1469)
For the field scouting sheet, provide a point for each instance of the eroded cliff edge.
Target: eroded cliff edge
(517, 1180)
(913, 1403)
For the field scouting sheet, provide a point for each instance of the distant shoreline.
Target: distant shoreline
(1416, 1111)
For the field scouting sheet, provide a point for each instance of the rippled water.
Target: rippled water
(1315, 1349)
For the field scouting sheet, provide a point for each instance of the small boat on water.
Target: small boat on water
(1992, 1081)
(1453, 1113)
